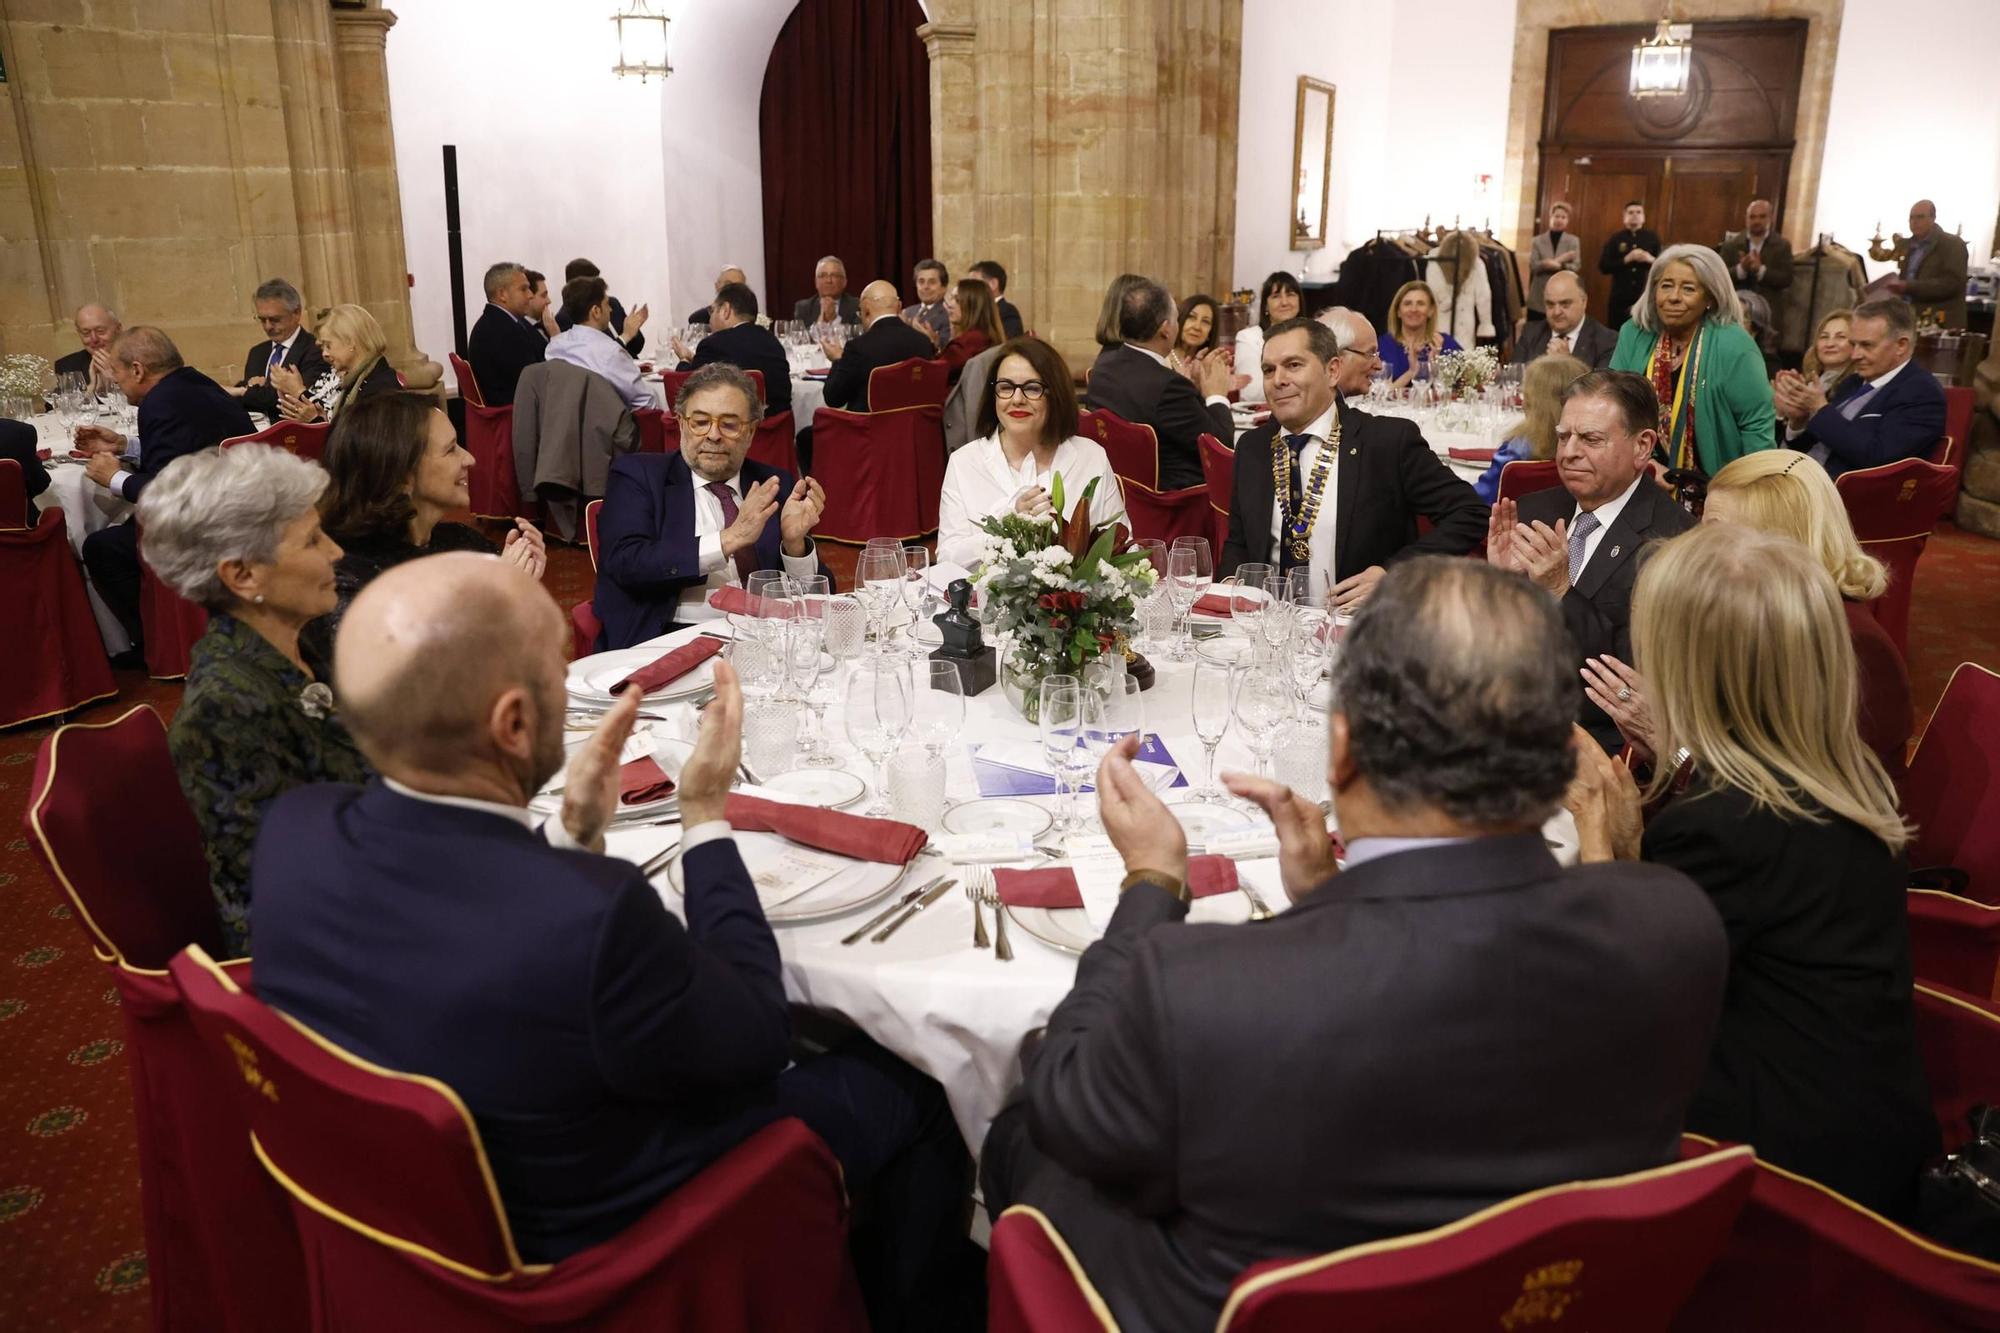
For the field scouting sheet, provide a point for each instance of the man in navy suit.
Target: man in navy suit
(1131, 379)
(181, 411)
(735, 336)
(606, 1050)
(676, 527)
(503, 342)
(1884, 412)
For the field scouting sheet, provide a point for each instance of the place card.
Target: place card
(992, 846)
(1099, 871)
(783, 872)
(1246, 844)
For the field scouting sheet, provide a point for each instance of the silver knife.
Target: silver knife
(907, 900)
(931, 895)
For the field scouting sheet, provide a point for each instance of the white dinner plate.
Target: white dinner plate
(857, 886)
(999, 815)
(829, 788)
(671, 752)
(1203, 819)
(607, 669)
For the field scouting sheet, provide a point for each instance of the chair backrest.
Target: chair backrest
(672, 380)
(13, 496)
(307, 439)
(1167, 515)
(659, 431)
(1524, 476)
(468, 383)
(1945, 452)
(1893, 509)
(1959, 1035)
(1625, 1252)
(1954, 941)
(1951, 790)
(776, 442)
(1961, 401)
(143, 894)
(172, 623)
(917, 382)
(883, 472)
(1218, 472)
(43, 603)
(1034, 1283)
(590, 513)
(1134, 450)
(495, 485)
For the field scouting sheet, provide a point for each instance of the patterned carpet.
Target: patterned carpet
(70, 1232)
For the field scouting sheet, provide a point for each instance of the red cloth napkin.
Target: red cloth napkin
(1055, 886)
(735, 601)
(887, 840)
(44, 454)
(1471, 455)
(1215, 604)
(80, 454)
(673, 666)
(643, 780)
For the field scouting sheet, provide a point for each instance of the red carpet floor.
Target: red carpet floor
(72, 1251)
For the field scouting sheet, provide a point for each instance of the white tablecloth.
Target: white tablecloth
(87, 507)
(808, 396)
(953, 1011)
(1443, 432)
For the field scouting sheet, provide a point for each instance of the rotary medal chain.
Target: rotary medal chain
(1299, 526)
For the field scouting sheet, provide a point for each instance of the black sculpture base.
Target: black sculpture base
(1139, 669)
(976, 674)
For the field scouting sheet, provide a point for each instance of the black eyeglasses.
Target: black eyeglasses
(1032, 390)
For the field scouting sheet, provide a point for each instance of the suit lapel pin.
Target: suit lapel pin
(1614, 552)
(1352, 450)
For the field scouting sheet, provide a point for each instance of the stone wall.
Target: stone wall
(165, 156)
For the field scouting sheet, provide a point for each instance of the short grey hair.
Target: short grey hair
(1345, 323)
(148, 346)
(222, 504)
(1709, 271)
(834, 260)
(1892, 311)
(501, 274)
(722, 373)
(277, 289)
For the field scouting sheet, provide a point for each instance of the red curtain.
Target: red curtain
(846, 129)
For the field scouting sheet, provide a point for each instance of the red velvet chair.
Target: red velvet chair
(1954, 941)
(1960, 1038)
(1622, 1253)
(171, 622)
(1945, 453)
(489, 438)
(1960, 403)
(1893, 510)
(1034, 1283)
(55, 659)
(584, 625)
(1134, 450)
(1524, 476)
(13, 496)
(468, 383)
(1218, 471)
(590, 514)
(671, 381)
(1951, 790)
(1802, 1257)
(776, 443)
(659, 432)
(913, 383)
(307, 439)
(221, 1250)
(402, 1223)
(883, 472)
(1170, 514)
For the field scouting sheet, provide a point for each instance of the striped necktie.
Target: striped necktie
(1585, 525)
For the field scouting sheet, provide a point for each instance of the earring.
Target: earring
(259, 599)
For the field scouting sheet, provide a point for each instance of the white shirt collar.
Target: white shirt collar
(1883, 379)
(1149, 353)
(1321, 427)
(1608, 512)
(286, 343)
(519, 814)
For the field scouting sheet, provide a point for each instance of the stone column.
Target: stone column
(954, 140)
(381, 270)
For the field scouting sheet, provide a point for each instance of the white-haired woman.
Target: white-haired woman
(1686, 336)
(356, 349)
(237, 531)
(1791, 826)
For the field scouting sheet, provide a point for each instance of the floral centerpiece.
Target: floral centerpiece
(1059, 592)
(1465, 372)
(24, 378)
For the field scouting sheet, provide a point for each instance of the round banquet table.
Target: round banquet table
(955, 1012)
(1443, 430)
(808, 396)
(87, 508)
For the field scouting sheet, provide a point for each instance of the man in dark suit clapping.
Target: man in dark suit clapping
(885, 339)
(1450, 1020)
(503, 342)
(1131, 379)
(831, 303)
(286, 343)
(735, 336)
(1884, 412)
(1567, 329)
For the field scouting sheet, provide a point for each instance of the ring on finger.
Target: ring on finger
(1624, 693)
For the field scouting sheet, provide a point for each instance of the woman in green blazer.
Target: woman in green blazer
(1686, 336)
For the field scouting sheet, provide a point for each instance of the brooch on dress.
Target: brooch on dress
(316, 700)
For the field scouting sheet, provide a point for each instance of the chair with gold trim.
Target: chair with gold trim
(1622, 1253)
(489, 438)
(1954, 941)
(1959, 1035)
(1034, 1283)
(1893, 509)
(1133, 448)
(305, 439)
(403, 1226)
(221, 1251)
(883, 472)
(1524, 476)
(1803, 1257)
(916, 382)
(672, 380)
(55, 659)
(1218, 473)
(583, 622)
(1961, 404)
(171, 622)
(1167, 515)
(1951, 790)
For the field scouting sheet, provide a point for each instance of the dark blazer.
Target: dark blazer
(807, 311)
(1388, 478)
(75, 363)
(1628, 281)
(499, 349)
(635, 344)
(1591, 344)
(1939, 284)
(1010, 318)
(883, 343)
(18, 442)
(1424, 1035)
(1816, 1059)
(750, 347)
(184, 413)
(647, 549)
(303, 355)
(1127, 382)
(1904, 419)
(1598, 606)
(606, 1052)
(1775, 276)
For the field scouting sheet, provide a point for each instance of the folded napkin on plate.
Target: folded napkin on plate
(44, 454)
(80, 455)
(734, 601)
(1055, 886)
(1471, 455)
(1214, 604)
(673, 666)
(643, 781)
(887, 840)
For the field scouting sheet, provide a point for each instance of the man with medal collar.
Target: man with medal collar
(1328, 486)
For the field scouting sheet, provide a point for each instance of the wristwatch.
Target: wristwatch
(1161, 879)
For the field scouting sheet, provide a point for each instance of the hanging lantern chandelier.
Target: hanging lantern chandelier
(1662, 63)
(642, 41)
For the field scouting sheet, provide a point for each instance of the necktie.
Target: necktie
(1560, 344)
(1294, 501)
(1853, 404)
(276, 359)
(1585, 525)
(746, 558)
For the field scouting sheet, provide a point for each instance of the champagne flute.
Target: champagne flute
(1247, 604)
(1264, 703)
(1062, 725)
(1189, 572)
(940, 706)
(1212, 704)
(803, 641)
(844, 634)
(1278, 621)
(878, 576)
(878, 713)
(916, 592)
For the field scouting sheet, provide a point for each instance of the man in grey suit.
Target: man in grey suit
(1450, 1020)
(1932, 278)
(831, 304)
(1567, 327)
(1759, 259)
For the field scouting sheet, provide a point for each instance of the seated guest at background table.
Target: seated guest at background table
(19, 442)
(1628, 256)
(97, 327)
(1554, 251)
(1566, 327)
(397, 469)
(1758, 258)
(975, 324)
(1791, 827)
(1414, 341)
(736, 338)
(996, 281)
(831, 303)
(1883, 413)
(357, 367)
(181, 411)
(928, 315)
(1686, 336)
(626, 328)
(1359, 357)
(730, 273)
(236, 531)
(1542, 385)
(606, 1051)
(1568, 1011)
(1027, 422)
(1582, 542)
(1113, 309)
(1830, 359)
(1197, 335)
(1131, 379)
(1932, 276)
(502, 344)
(1278, 300)
(885, 340)
(587, 341)
(675, 527)
(1757, 322)
(286, 343)
(540, 314)
(1377, 471)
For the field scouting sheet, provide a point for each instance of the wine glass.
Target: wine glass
(878, 582)
(940, 706)
(1247, 597)
(916, 592)
(1189, 572)
(802, 650)
(1278, 620)
(1063, 723)
(1156, 600)
(1212, 697)
(1264, 704)
(878, 713)
(1118, 713)
(843, 633)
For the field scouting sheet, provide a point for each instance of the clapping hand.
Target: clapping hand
(681, 350)
(1621, 692)
(526, 549)
(98, 440)
(833, 347)
(1543, 553)
(1217, 372)
(1305, 852)
(636, 320)
(800, 515)
(718, 750)
(759, 503)
(1604, 798)
(1140, 826)
(1501, 551)
(590, 784)
(102, 468)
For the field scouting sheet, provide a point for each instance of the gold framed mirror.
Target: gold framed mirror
(1312, 163)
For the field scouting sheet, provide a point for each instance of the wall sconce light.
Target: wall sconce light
(642, 41)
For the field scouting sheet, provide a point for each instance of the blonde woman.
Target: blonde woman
(1456, 275)
(354, 347)
(1542, 385)
(1790, 825)
(1830, 358)
(1413, 332)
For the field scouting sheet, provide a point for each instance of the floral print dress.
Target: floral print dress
(250, 727)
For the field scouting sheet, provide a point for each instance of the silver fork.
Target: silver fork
(1258, 911)
(979, 940)
(1001, 949)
